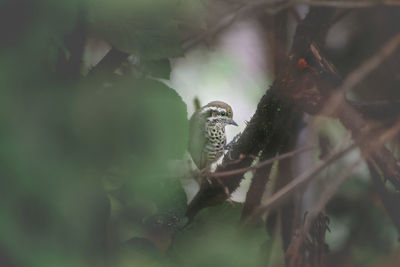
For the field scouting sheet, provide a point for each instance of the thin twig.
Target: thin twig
(226, 21)
(338, 3)
(331, 187)
(236, 161)
(300, 180)
(337, 106)
(356, 76)
(371, 63)
(262, 164)
(272, 7)
(329, 191)
(229, 19)
(300, 240)
(359, 74)
(347, 3)
(390, 200)
(382, 139)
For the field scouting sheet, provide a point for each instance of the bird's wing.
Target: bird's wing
(197, 140)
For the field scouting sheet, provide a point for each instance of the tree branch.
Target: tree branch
(264, 163)
(314, 90)
(271, 118)
(390, 200)
(301, 180)
(365, 68)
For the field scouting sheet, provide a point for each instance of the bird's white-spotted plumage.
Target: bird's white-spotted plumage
(207, 133)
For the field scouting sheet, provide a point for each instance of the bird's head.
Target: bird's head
(218, 112)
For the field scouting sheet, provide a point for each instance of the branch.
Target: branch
(257, 187)
(260, 178)
(271, 118)
(348, 3)
(329, 99)
(287, 211)
(384, 111)
(332, 3)
(272, 7)
(262, 164)
(270, 113)
(246, 9)
(329, 190)
(301, 180)
(362, 71)
(293, 89)
(330, 186)
(390, 200)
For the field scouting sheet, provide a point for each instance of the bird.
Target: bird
(207, 137)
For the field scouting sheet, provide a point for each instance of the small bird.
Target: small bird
(207, 138)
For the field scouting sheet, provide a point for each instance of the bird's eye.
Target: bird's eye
(223, 113)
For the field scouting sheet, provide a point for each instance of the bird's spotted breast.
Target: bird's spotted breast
(216, 141)
(207, 132)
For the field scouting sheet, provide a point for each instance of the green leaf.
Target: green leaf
(157, 68)
(216, 239)
(145, 28)
(136, 118)
(131, 130)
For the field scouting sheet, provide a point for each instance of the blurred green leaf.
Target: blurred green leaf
(157, 68)
(60, 139)
(216, 239)
(136, 118)
(131, 129)
(144, 28)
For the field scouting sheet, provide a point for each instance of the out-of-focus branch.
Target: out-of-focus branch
(383, 111)
(390, 200)
(246, 9)
(348, 4)
(333, 3)
(287, 211)
(249, 8)
(257, 187)
(337, 98)
(331, 186)
(261, 176)
(309, 249)
(329, 99)
(263, 163)
(271, 116)
(361, 72)
(270, 113)
(312, 88)
(299, 181)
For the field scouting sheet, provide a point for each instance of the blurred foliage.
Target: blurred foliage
(142, 27)
(369, 234)
(217, 239)
(85, 160)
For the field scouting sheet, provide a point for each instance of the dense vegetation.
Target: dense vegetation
(86, 151)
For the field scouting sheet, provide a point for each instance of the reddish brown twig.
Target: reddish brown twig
(262, 164)
(297, 182)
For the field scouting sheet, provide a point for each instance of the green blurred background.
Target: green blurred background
(91, 164)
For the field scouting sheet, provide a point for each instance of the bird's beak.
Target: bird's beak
(232, 122)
